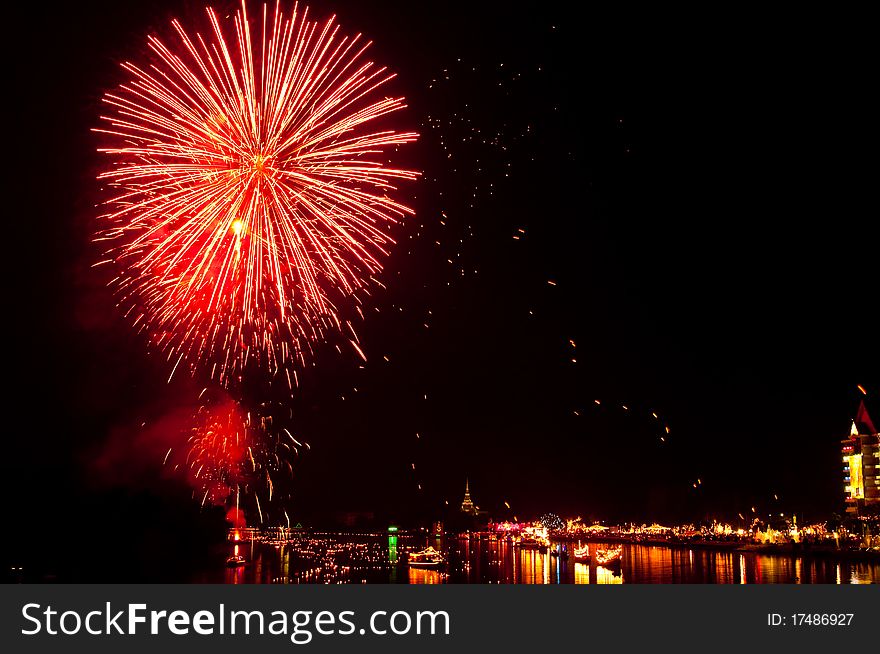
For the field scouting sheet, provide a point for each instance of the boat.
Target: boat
(427, 558)
(582, 554)
(530, 543)
(235, 561)
(609, 556)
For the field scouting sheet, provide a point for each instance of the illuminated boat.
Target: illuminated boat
(533, 542)
(582, 554)
(609, 556)
(427, 558)
(235, 561)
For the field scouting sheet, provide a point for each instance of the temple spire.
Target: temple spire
(467, 505)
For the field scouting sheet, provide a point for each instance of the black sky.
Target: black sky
(700, 188)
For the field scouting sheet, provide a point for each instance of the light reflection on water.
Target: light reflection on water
(379, 559)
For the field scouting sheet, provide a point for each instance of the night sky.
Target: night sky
(688, 199)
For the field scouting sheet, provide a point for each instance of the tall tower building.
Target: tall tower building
(467, 506)
(861, 465)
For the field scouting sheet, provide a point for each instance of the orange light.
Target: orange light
(237, 226)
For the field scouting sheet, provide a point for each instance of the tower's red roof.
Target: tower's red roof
(863, 421)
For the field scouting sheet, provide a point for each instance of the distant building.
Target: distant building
(467, 505)
(861, 466)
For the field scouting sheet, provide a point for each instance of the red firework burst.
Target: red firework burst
(220, 457)
(233, 453)
(250, 189)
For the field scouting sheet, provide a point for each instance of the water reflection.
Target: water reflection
(581, 573)
(420, 576)
(608, 576)
(382, 559)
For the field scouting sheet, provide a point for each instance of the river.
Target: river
(379, 558)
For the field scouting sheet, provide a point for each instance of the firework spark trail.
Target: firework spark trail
(250, 189)
(220, 451)
(233, 452)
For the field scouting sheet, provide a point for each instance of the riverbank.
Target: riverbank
(778, 549)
